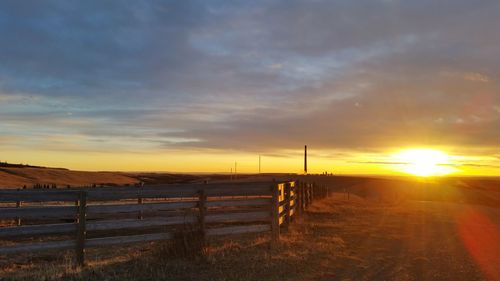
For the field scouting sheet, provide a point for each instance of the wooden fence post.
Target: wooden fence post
(308, 195)
(202, 202)
(139, 198)
(288, 205)
(275, 215)
(313, 191)
(304, 196)
(298, 197)
(81, 228)
(18, 205)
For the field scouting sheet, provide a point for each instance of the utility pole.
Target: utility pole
(259, 163)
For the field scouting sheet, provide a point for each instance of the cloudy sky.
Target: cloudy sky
(197, 85)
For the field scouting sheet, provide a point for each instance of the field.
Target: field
(17, 177)
(11, 177)
(370, 229)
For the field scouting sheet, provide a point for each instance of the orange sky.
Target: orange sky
(345, 163)
(171, 86)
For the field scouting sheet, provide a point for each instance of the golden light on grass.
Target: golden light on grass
(424, 162)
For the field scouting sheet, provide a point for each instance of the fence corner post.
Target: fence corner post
(307, 195)
(288, 205)
(18, 205)
(202, 202)
(298, 197)
(139, 199)
(81, 228)
(275, 215)
(313, 191)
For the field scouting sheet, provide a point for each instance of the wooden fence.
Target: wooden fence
(110, 216)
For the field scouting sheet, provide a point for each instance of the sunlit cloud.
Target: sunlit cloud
(250, 78)
(477, 77)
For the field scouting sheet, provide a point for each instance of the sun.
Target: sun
(424, 162)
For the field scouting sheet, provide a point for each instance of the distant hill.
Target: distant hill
(13, 176)
(19, 175)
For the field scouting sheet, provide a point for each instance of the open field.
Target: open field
(19, 177)
(473, 190)
(374, 235)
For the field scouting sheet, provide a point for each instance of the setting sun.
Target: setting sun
(424, 162)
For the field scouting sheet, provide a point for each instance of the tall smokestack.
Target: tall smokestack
(305, 159)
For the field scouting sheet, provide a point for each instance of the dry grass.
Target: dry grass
(336, 239)
(18, 177)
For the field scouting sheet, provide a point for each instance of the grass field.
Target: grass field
(337, 239)
(19, 177)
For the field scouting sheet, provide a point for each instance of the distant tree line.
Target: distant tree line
(43, 186)
(10, 165)
(5, 164)
(54, 186)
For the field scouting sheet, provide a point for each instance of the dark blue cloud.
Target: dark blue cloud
(350, 74)
(94, 47)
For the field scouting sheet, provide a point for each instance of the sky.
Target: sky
(195, 86)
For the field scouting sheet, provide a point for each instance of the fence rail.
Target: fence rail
(99, 217)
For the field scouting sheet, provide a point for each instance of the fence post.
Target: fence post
(310, 190)
(304, 196)
(288, 205)
(293, 190)
(309, 193)
(298, 196)
(202, 202)
(18, 205)
(305, 188)
(313, 191)
(81, 228)
(139, 198)
(275, 215)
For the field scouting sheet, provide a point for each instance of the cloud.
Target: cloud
(380, 162)
(477, 77)
(267, 76)
(474, 165)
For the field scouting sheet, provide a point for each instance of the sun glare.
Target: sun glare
(424, 162)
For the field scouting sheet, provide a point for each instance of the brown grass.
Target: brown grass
(186, 243)
(336, 239)
(18, 177)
